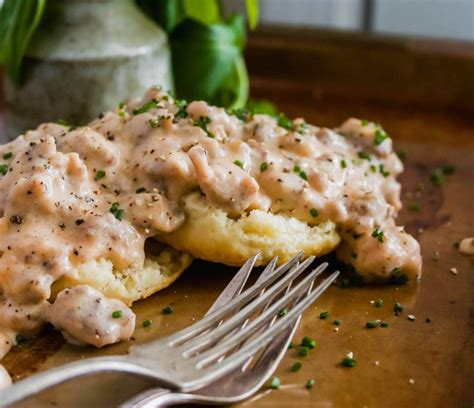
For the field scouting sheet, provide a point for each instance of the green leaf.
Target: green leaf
(205, 58)
(252, 13)
(167, 13)
(262, 106)
(18, 22)
(204, 11)
(234, 90)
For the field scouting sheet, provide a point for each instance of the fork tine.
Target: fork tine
(240, 279)
(250, 308)
(261, 341)
(234, 304)
(262, 319)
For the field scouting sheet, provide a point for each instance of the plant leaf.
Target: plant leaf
(204, 56)
(252, 13)
(204, 11)
(234, 90)
(167, 13)
(18, 22)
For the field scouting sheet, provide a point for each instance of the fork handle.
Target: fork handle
(50, 378)
(151, 398)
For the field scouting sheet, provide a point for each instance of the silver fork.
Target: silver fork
(189, 359)
(238, 385)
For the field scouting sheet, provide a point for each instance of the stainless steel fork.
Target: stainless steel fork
(238, 385)
(191, 359)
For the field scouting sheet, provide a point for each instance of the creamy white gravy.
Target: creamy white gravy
(69, 195)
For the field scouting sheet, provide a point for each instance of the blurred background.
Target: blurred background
(452, 19)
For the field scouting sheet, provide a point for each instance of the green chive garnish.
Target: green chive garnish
(239, 163)
(119, 213)
(117, 314)
(363, 155)
(7, 155)
(303, 351)
(20, 339)
(3, 169)
(296, 366)
(384, 324)
(167, 310)
(378, 233)
(99, 175)
(140, 190)
(314, 212)
(378, 302)
(308, 342)
(343, 164)
(349, 362)
(263, 166)
(372, 324)
(323, 315)
(309, 384)
(283, 312)
(275, 383)
(397, 308)
(145, 107)
(337, 322)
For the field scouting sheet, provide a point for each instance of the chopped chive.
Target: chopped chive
(146, 323)
(99, 175)
(364, 122)
(308, 342)
(397, 308)
(372, 324)
(314, 212)
(384, 324)
(182, 105)
(380, 136)
(303, 351)
(275, 383)
(378, 233)
(337, 322)
(397, 277)
(291, 345)
(202, 122)
(239, 163)
(155, 123)
(263, 166)
(296, 366)
(119, 213)
(402, 154)
(297, 169)
(117, 314)
(363, 155)
(3, 169)
(284, 122)
(167, 310)
(373, 168)
(437, 177)
(378, 302)
(20, 339)
(448, 169)
(323, 315)
(415, 206)
(140, 190)
(456, 244)
(145, 107)
(283, 312)
(349, 362)
(309, 384)
(7, 155)
(343, 164)
(382, 170)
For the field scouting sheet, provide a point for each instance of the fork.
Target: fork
(190, 358)
(238, 385)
